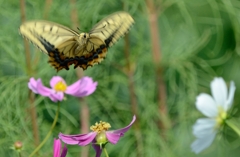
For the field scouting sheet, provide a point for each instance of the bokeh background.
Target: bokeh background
(171, 54)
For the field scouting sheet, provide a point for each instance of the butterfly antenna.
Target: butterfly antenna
(80, 30)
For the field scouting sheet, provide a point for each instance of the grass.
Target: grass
(199, 40)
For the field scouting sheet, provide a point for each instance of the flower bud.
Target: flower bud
(18, 145)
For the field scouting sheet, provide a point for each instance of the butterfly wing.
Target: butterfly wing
(42, 33)
(113, 27)
(58, 41)
(107, 32)
(65, 46)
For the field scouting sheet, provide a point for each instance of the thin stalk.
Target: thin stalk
(83, 109)
(33, 115)
(31, 97)
(105, 151)
(48, 134)
(84, 117)
(234, 125)
(156, 52)
(47, 6)
(133, 98)
(26, 44)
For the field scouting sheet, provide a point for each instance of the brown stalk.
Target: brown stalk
(31, 98)
(133, 98)
(156, 52)
(84, 109)
(47, 6)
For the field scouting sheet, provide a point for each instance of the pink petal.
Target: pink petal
(56, 148)
(97, 149)
(32, 84)
(114, 136)
(55, 80)
(42, 90)
(82, 87)
(73, 88)
(80, 139)
(56, 96)
(64, 151)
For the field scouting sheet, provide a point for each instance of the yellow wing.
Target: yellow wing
(65, 46)
(111, 28)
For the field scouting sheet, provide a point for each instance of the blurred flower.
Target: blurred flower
(215, 108)
(83, 87)
(57, 149)
(18, 146)
(98, 137)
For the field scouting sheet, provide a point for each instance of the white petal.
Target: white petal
(202, 143)
(204, 127)
(219, 91)
(229, 101)
(204, 130)
(207, 105)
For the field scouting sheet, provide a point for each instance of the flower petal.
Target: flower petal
(82, 87)
(56, 96)
(32, 84)
(114, 136)
(55, 80)
(219, 91)
(205, 132)
(202, 143)
(42, 90)
(203, 127)
(97, 148)
(64, 151)
(229, 101)
(56, 147)
(80, 139)
(206, 105)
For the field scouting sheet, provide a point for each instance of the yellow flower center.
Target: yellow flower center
(60, 86)
(101, 126)
(222, 115)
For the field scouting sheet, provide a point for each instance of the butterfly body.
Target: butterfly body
(65, 46)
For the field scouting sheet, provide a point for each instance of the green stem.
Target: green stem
(49, 133)
(105, 151)
(232, 124)
(19, 154)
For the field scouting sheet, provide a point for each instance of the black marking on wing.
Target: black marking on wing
(59, 61)
(108, 40)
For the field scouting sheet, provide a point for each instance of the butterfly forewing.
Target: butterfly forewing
(113, 27)
(41, 32)
(65, 46)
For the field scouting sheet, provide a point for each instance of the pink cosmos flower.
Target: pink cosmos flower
(98, 137)
(83, 87)
(57, 149)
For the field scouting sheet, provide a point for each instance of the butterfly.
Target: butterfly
(65, 46)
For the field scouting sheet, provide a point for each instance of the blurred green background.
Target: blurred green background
(199, 40)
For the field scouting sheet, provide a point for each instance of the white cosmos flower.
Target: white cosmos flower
(215, 107)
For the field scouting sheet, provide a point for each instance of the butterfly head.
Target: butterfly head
(83, 38)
